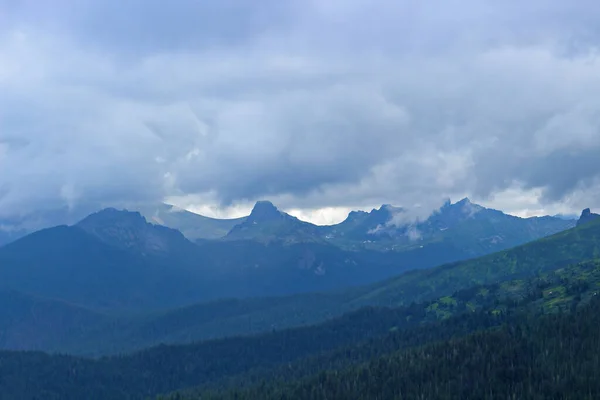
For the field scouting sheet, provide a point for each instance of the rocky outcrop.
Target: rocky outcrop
(587, 216)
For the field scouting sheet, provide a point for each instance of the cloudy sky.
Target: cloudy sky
(317, 105)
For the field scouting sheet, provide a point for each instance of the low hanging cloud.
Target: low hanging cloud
(310, 103)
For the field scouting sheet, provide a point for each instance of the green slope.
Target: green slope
(296, 353)
(32, 375)
(572, 288)
(573, 245)
(554, 357)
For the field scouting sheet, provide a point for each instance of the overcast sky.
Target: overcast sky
(317, 105)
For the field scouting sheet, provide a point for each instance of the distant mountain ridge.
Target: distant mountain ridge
(130, 231)
(462, 227)
(193, 226)
(385, 228)
(451, 220)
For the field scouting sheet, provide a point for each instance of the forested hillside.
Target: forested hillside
(294, 354)
(551, 357)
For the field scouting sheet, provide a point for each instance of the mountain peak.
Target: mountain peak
(587, 216)
(356, 214)
(130, 230)
(468, 207)
(111, 215)
(266, 224)
(264, 210)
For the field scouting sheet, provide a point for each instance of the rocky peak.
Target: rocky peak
(267, 224)
(110, 216)
(353, 214)
(587, 216)
(464, 208)
(264, 211)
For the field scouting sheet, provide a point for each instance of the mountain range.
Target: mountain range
(258, 312)
(386, 228)
(116, 260)
(193, 226)
(502, 314)
(90, 316)
(465, 226)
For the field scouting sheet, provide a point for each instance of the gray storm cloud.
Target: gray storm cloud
(314, 103)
